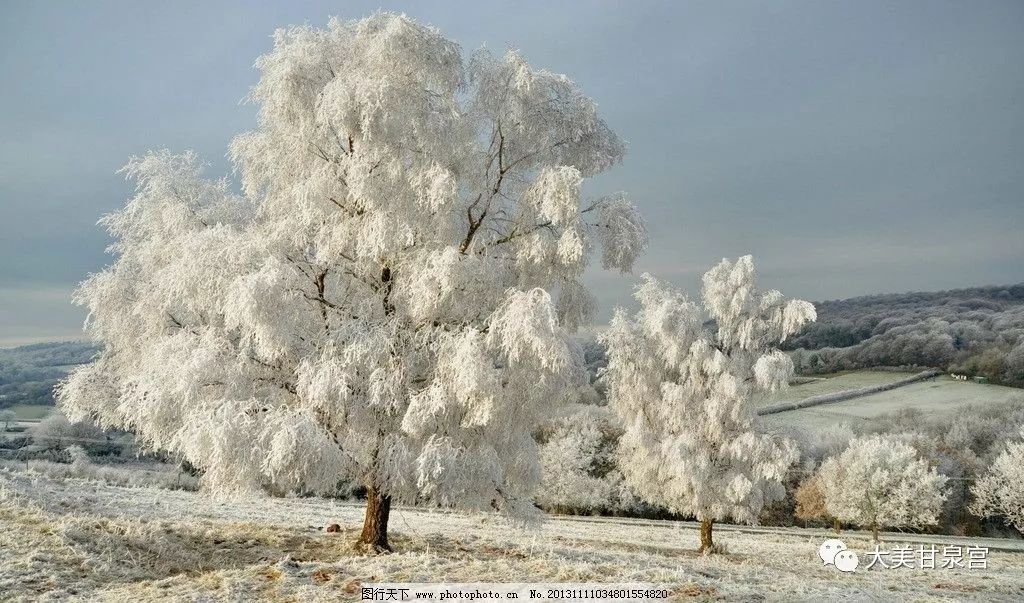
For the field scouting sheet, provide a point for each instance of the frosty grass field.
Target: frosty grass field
(30, 412)
(77, 540)
(935, 397)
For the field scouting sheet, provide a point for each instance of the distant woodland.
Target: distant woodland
(978, 332)
(28, 373)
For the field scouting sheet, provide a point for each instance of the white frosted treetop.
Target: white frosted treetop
(389, 299)
(685, 391)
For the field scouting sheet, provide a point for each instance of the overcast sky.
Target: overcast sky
(852, 147)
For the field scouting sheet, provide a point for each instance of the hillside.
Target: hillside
(977, 331)
(28, 373)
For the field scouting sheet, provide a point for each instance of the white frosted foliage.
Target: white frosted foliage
(686, 393)
(577, 462)
(390, 300)
(879, 481)
(1000, 492)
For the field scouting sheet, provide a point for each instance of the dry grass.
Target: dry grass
(47, 554)
(78, 540)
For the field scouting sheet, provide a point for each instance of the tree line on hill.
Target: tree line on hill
(977, 332)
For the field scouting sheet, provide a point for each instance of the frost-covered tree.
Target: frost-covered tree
(685, 393)
(578, 470)
(389, 299)
(816, 445)
(879, 481)
(1001, 491)
(1014, 371)
(7, 418)
(56, 432)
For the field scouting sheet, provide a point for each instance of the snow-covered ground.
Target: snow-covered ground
(76, 539)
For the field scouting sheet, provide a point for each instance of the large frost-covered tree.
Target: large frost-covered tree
(387, 301)
(1001, 491)
(685, 393)
(879, 481)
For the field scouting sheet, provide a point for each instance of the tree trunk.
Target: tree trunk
(705, 536)
(836, 526)
(874, 531)
(374, 538)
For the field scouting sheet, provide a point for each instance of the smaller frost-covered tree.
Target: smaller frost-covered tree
(1001, 491)
(56, 432)
(685, 393)
(879, 481)
(816, 446)
(578, 473)
(7, 418)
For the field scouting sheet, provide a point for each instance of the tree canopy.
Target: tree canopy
(685, 393)
(390, 297)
